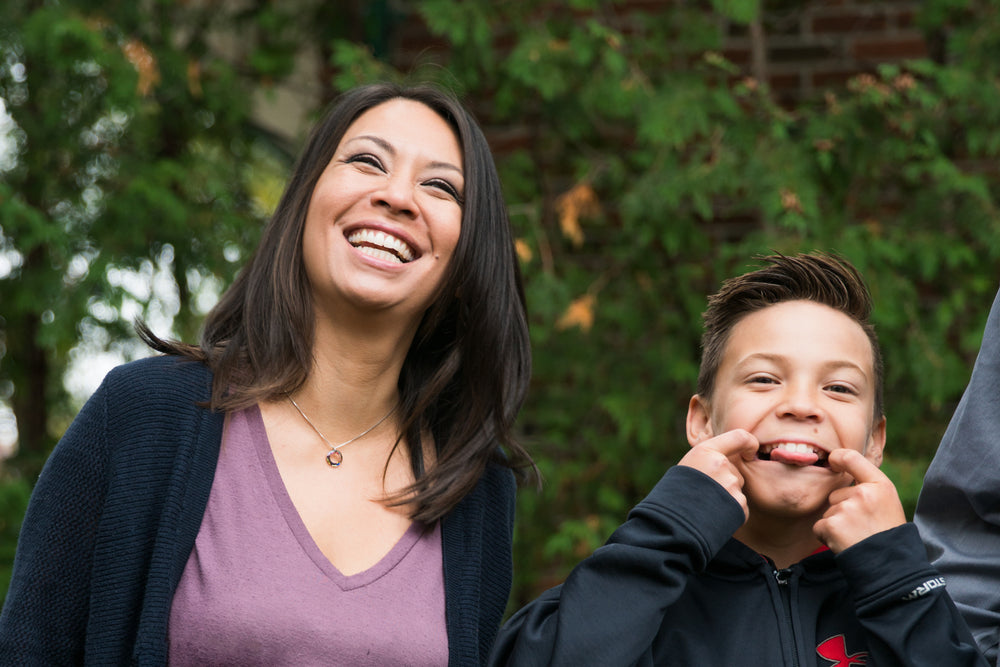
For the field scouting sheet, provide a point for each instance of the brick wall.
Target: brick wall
(812, 46)
(803, 47)
(800, 48)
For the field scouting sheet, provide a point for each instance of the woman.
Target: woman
(320, 480)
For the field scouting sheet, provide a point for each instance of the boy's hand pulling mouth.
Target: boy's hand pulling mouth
(857, 512)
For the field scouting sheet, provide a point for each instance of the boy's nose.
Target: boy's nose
(799, 403)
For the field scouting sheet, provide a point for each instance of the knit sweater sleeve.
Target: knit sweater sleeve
(112, 520)
(477, 540)
(611, 606)
(903, 604)
(958, 512)
(45, 614)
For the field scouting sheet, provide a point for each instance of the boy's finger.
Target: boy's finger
(733, 443)
(856, 465)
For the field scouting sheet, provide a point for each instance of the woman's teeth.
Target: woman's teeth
(381, 245)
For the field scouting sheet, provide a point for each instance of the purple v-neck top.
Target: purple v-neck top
(258, 591)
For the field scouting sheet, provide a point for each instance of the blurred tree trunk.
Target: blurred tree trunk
(30, 399)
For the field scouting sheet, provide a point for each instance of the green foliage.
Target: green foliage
(908, 476)
(645, 169)
(130, 150)
(741, 11)
(692, 173)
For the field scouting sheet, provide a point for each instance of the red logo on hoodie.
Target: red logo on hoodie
(834, 649)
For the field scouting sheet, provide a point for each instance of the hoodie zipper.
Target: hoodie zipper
(782, 577)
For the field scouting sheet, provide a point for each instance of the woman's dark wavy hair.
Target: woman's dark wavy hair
(466, 374)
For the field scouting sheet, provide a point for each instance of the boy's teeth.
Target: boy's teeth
(794, 453)
(797, 447)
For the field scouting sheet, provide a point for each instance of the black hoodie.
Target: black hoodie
(671, 587)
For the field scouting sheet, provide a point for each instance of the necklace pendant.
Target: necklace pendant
(334, 458)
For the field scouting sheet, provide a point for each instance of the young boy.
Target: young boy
(776, 540)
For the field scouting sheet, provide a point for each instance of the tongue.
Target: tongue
(794, 458)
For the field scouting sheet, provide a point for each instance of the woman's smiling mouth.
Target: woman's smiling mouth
(382, 246)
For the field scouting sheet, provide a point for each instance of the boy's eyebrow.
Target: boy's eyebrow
(391, 150)
(832, 364)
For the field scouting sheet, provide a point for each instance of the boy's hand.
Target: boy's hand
(716, 458)
(856, 512)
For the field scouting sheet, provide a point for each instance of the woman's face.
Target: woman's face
(386, 213)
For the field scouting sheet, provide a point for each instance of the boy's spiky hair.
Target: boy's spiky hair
(820, 277)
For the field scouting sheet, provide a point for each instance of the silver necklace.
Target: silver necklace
(334, 457)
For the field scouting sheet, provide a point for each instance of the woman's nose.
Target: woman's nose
(397, 194)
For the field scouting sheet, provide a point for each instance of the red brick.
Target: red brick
(784, 82)
(800, 54)
(737, 56)
(906, 19)
(643, 5)
(783, 24)
(840, 23)
(833, 79)
(890, 49)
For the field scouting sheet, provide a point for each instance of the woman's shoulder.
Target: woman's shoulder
(492, 498)
(499, 478)
(156, 401)
(161, 378)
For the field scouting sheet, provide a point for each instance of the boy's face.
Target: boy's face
(799, 377)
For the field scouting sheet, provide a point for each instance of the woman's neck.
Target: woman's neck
(354, 373)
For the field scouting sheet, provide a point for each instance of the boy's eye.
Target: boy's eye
(762, 379)
(445, 187)
(840, 389)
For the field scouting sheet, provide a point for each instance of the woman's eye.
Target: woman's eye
(446, 187)
(366, 158)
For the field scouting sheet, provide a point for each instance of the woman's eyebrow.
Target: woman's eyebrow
(382, 143)
(387, 147)
(445, 165)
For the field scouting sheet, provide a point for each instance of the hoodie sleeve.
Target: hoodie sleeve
(903, 605)
(958, 512)
(611, 606)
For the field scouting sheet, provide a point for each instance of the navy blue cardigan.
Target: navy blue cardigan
(116, 510)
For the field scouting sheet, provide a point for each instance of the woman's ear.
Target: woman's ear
(699, 421)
